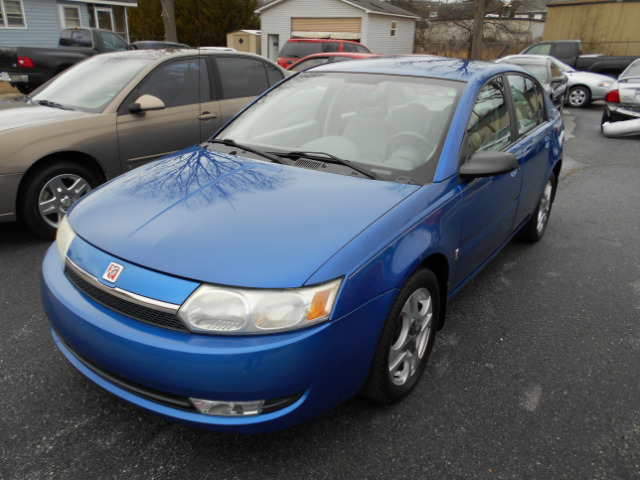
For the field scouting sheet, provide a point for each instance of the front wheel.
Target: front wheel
(49, 193)
(406, 340)
(579, 97)
(534, 229)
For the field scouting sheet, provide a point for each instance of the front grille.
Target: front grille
(124, 307)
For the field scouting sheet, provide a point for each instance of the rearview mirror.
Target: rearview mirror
(488, 164)
(145, 103)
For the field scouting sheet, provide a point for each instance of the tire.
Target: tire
(25, 88)
(49, 192)
(406, 340)
(534, 229)
(579, 97)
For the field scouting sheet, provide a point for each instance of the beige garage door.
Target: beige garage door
(348, 28)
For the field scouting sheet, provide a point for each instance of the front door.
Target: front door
(489, 204)
(189, 115)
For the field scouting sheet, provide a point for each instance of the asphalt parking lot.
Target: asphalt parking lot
(535, 374)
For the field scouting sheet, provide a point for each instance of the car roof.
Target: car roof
(527, 59)
(423, 66)
(176, 52)
(340, 54)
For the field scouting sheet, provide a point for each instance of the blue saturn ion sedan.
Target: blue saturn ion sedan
(307, 251)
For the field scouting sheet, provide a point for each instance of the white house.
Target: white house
(382, 27)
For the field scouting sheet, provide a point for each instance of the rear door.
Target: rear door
(533, 144)
(239, 80)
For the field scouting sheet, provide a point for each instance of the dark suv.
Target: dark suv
(296, 48)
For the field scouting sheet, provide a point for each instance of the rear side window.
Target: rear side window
(300, 49)
(362, 49)
(527, 97)
(564, 50)
(330, 47)
(242, 77)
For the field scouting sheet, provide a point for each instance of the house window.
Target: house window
(11, 14)
(70, 16)
(393, 29)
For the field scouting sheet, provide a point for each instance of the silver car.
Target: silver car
(111, 113)
(621, 114)
(583, 87)
(546, 72)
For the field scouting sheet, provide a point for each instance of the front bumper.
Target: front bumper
(318, 367)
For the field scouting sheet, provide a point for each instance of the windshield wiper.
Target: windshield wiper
(230, 143)
(49, 103)
(324, 157)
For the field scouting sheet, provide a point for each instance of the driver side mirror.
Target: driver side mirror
(488, 164)
(145, 103)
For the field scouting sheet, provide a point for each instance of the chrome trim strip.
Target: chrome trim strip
(123, 294)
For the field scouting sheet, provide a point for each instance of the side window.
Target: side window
(113, 43)
(349, 47)
(183, 82)
(555, 71)
(543, 49)
(273, 74)
(528, 101)
(489, 126)
(241, 77)
(330, 47)
(361, 49)
(564, 50)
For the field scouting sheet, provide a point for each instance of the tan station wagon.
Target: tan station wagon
(111, 113)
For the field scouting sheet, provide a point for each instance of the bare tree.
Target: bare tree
(169, 19)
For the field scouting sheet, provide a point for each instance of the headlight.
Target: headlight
(212, 309)
(64, 237)
(604, 84)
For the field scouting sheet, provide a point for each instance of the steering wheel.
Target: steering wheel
(408, 139)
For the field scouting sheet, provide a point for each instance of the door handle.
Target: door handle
(207, 116)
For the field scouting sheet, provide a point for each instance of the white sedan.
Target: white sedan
(584, 87)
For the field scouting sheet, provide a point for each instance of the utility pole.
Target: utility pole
(477, 32)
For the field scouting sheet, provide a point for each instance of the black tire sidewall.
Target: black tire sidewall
(28, 208)
(379, 386)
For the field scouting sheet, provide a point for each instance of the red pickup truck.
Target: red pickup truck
(26, 68)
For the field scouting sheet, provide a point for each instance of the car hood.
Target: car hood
(18, 114)
(222, 219)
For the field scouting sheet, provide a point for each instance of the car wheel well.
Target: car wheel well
(76, 157)
(439, 265)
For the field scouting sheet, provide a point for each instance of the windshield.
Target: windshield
(632, 71)
(90, 85)
(391, 126)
